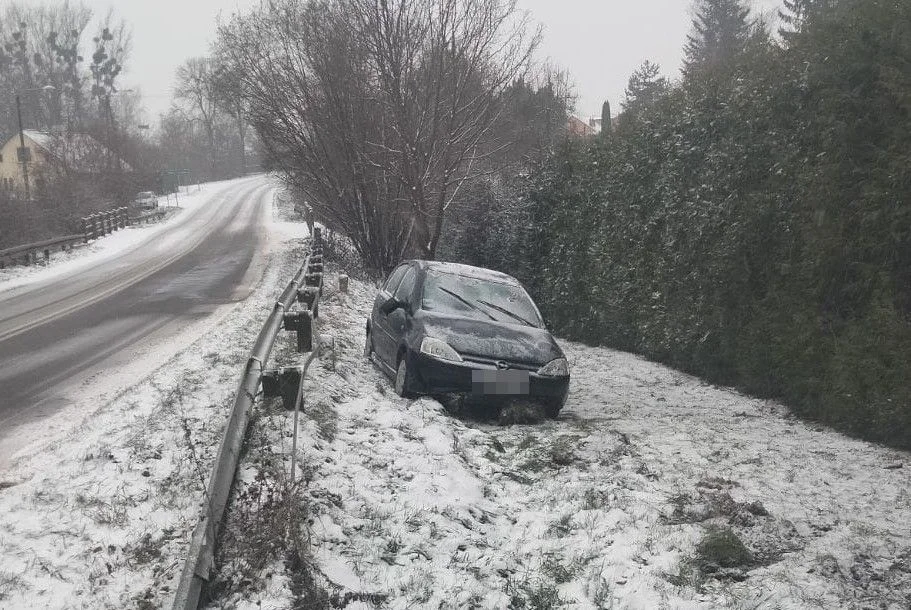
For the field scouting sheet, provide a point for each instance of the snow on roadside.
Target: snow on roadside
(102, 517)
(611, 505)
(104, 248)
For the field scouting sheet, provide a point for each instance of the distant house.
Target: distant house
(582, 128)
(47, 155)
(579, 128)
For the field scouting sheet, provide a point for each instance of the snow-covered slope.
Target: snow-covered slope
(608, 506)
(612, 505)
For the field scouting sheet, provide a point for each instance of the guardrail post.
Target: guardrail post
(47, 255)
(302, 323)
(85, 230)
(282, 382)
(96, 224)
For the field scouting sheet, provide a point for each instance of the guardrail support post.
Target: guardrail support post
(302, 323)
(284, 383)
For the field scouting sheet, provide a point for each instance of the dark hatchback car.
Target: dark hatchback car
(442, 328)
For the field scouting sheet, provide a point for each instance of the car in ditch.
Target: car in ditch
(449, 329)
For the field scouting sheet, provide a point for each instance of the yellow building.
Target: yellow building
(11, 175)
(47, 154)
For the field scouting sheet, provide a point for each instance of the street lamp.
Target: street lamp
(23, 153)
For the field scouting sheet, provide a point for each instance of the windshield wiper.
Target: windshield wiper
(467, 302)
(508, 313)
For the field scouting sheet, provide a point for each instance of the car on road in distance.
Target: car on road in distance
(146, 200)
(444, 328)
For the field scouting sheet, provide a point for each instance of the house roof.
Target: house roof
(42, 139)
(77, 151)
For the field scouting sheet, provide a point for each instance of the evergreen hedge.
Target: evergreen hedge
(751, 226)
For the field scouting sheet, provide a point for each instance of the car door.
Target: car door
(379, 326)
(398, 320)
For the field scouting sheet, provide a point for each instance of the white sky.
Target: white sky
(600, 42)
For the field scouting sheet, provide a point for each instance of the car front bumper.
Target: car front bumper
(435, 376)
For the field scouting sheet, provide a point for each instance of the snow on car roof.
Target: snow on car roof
(479, 273)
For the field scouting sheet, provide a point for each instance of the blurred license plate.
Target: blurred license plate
(499, 382)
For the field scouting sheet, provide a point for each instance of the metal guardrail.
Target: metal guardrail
(93, 227)
(145, 217)
(306, 288)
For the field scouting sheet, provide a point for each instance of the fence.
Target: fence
(93, 227)
(306, 288)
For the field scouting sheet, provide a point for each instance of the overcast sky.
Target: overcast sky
(600, 42)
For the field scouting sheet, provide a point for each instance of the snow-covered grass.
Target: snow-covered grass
(652, 489)
(102, 517)
(104, 248)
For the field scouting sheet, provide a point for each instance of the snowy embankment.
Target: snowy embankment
(101, 518)
(109, 246)
(652, 489)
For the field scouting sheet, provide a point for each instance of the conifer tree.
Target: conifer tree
(797, 13)
(645, 86)
(721, 30)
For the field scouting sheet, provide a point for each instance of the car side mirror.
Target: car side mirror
(390, 305)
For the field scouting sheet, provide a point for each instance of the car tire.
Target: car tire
(552, 409)
(402, 382)
(368, 346)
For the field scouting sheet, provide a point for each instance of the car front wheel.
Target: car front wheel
(552, 408)
(403, 379)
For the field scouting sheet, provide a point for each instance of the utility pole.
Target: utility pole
(23, 156)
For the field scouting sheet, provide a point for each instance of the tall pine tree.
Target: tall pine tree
(797, 14)
(721, 31)
(645, 87)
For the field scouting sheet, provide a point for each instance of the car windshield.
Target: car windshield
(478, 298)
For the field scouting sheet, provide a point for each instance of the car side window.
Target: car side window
(394, 279)
(403, 292)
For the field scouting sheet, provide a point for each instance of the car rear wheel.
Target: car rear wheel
(403, 379)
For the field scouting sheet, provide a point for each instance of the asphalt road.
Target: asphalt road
(65, 336)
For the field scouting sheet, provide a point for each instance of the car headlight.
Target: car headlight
(555, 368)
(439, 349)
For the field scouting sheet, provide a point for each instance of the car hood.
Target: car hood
(494, 340)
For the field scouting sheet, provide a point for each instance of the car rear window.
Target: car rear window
(479, 298)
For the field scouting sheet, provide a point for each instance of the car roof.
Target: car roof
(479, 273)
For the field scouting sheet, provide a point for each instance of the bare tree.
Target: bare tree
(197, 89)
(379, 110)
(442, 67)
